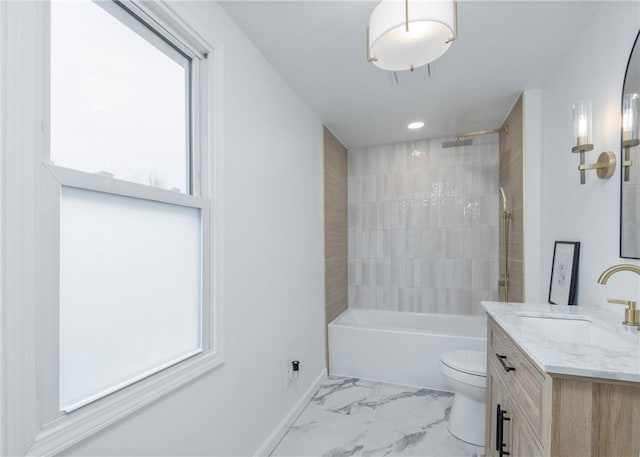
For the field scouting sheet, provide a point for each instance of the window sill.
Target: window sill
(71, 428)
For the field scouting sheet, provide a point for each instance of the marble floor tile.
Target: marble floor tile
(336, 421)
(352, 417)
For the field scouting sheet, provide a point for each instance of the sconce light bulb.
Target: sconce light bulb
(630, 114)
(582, 129)
(582, 125)
(627, 123)
(582, 122)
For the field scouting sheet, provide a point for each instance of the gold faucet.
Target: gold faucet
(631, 315)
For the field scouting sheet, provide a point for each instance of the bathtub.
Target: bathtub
(400, 347)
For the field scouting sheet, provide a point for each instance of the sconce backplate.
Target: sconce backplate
(606, 165)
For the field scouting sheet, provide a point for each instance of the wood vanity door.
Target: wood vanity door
(525, 442)
(499, 415)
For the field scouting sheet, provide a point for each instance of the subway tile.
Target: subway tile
(366, 216)
(387, 264)
(366, 182)
(355, 272)
(352, 298)
(365, 272)
(354, 216)
(408, 273)
(485, 242)
(476, 234)
(417, 272)
(373, 272)
(372, 196)
(364, 243)
(476, 274)
(408, 244)
(441, 301)
(458, 272)
(394, 299)
(441, 246)
(494, 247)
(423, 231)
(425, 272)
(380, 298)
(379, 223)
(467, 273)
(356, 299)
(379, 244)
(416, 236)
(373, 243)
(450, 274)
(386, 297)
(366, 296)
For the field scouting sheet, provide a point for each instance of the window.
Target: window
(118, 296)
(120, 97)
(130, 291)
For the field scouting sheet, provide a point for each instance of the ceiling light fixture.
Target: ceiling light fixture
(415, 125)
(404, 35)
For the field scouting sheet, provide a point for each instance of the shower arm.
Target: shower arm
(506, 215)
(480, 133)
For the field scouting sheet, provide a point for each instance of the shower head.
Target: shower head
(504, 200)
(463, 139)
(457, 142)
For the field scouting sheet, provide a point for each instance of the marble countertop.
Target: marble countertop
(595, 344)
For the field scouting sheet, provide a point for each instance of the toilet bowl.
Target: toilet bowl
(465, 372)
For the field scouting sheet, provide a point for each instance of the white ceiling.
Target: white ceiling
(503, 48)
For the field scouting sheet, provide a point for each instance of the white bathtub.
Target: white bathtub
(400, 347)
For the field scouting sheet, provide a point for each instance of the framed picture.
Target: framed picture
(564, 273)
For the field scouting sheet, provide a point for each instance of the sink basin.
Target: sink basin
(571, 331)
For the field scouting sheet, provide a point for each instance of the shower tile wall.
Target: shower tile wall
(423, 226)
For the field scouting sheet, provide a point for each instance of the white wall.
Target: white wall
(274, 268)
(533, 249)
(593, 69)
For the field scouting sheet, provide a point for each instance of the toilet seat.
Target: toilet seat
(454, 377)
(469, 362)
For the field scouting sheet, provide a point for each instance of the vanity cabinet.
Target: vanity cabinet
(533, 413)
(515, 391)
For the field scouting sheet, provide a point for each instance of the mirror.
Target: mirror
(630, 163)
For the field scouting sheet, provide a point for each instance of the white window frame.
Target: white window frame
(31, 422)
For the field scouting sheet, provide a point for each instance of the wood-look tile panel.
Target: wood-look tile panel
(334, 309)
(335, 228)
(336, 279)
(512, 181)
(516, 281)
(335, 197)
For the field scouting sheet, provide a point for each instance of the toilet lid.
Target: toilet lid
(473, 362)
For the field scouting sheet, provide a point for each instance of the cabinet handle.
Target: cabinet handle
(498, 428)
(501, 359)
(501, 416)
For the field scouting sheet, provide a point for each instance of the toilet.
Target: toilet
(465, 372)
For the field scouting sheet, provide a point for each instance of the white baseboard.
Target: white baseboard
(278, 433)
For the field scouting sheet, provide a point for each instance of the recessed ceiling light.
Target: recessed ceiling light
(416, 125)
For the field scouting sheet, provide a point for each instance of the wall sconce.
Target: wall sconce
(630, 134)
(606, 164)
